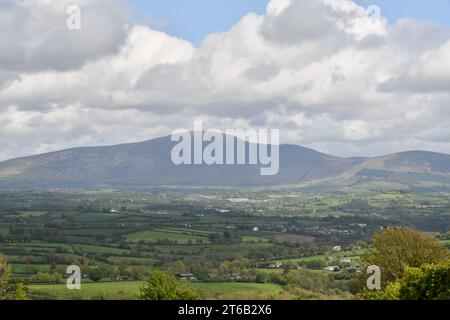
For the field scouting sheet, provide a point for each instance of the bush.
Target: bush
(315, 264)
(4, 274)
(47, 278)
(162, 286)
(396, 249)
(95, 274)
(429, 282)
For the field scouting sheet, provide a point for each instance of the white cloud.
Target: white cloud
(323, 71)
(429, 73)
(34, 33)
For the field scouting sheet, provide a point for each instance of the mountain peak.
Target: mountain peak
(148, 163)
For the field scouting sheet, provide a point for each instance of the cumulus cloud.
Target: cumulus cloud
(327, 73)
(34, 33)
(429, 73)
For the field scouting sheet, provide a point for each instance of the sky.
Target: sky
(194, 19)
(327, 73)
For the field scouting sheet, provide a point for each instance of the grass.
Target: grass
(133, 260)
(28, 214)
(307, 259)
(27, 268)
(129, 290)
(163, 235)
(100, 249)
(92, 232)
(445, 243)
(96, 216)
(254, 239)
(38, 244)
(237, 290)
(293, 238)
(269, 271)
(233, 287)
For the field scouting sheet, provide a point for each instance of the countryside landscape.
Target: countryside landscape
(275, 152)
(305, 240)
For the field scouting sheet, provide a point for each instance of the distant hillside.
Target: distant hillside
(149, 164)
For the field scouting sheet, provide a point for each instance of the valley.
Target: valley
(228, 243)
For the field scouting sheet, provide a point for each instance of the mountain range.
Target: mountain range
(149, 164)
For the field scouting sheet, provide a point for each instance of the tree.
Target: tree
(396, 249)
(47, 278)
(114, 273)
(4, 274)
(429, 282)
(20, 293)
(95, 274)
(162, 286)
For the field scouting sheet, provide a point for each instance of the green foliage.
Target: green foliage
(95, 274)
(396, 249)
(162, 286)
(4, 274)
(317, 264)
(47, 278)
(391, 292)
(20, 293)
(429, 282)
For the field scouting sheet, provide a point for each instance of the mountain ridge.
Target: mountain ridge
(148, 163)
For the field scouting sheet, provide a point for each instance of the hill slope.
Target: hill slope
(149, 164)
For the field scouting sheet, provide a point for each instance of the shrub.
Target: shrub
(429, 282)
(162, 286)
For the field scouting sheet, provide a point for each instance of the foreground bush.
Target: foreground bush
(396, 249)
(429, 282)
(162, 286)
(4, 273)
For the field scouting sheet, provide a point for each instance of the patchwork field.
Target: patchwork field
(277, 244)
(170, 235)
(129, 290)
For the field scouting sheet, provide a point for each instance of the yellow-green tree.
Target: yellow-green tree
(20, 293)
(162, 286)
(396, 249)
(429, 282)
(4, 274)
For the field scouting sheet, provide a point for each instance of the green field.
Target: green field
(293, 238)
(104, 290)
(42, 234)
(446, 243)
(94, 232)
(29, 214)
(238, 290)
(4, 231)
(97, 216)
(26, 268)
(129, 290)
(163, 235)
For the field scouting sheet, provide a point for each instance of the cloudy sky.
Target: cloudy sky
(328, 73)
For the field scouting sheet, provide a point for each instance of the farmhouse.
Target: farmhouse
(276, 265)
(186, 276)
(333, 268)
(232, 276)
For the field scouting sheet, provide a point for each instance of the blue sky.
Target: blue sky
(194, 19)
(427, 10)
